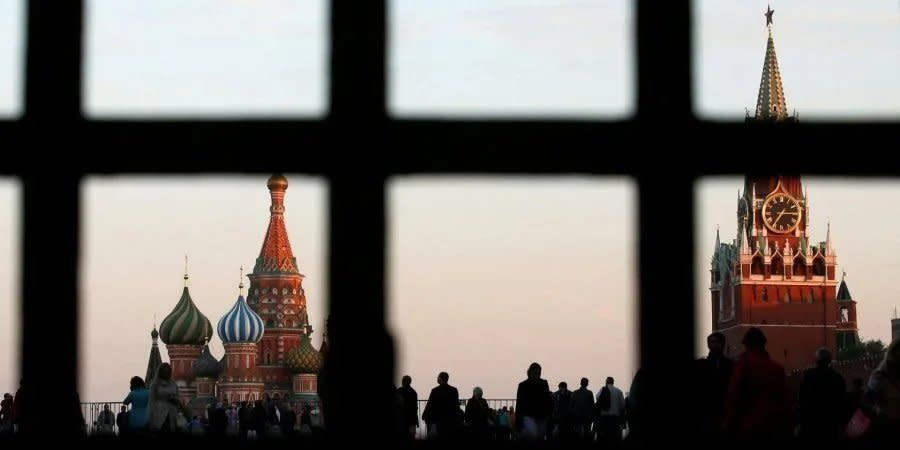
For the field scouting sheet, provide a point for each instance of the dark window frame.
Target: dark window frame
(357, 123)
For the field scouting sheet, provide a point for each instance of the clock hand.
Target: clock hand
(779, 216)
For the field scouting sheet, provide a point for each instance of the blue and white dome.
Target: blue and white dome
(240, 324)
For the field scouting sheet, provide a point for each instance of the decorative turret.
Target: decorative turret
(304, 362)
(847, 326)
(745, 243)
(155, 359)
(206, 372)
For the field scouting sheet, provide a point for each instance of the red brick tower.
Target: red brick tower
(774, 277)
(276, 294)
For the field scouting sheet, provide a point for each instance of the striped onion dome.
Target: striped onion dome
(240, 324)
(185, 325)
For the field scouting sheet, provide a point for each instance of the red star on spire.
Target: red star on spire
(769, 12)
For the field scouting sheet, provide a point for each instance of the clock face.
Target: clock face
(781, 213)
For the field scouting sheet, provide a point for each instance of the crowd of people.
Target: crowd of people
(158, 411)
(746, 399)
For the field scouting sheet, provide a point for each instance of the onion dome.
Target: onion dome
(240, 323)
(206, 366)
(185, 325)
(304, 358)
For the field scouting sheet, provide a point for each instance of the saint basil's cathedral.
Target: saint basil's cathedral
(266, 335)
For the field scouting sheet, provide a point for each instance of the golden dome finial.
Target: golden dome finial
(277, 182)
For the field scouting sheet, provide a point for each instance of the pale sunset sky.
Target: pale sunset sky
(487, 274)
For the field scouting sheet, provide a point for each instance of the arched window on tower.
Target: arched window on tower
(270, 323)
(756, 267)
(268, 358)
(819, 266)
(845, 314)
(777, 266)
(799, 267)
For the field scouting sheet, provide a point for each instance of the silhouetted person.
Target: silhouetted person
(165, 403)
(288, 420)
(122, 421)
(106, 421)
(477, 416)
(854, 398)
(442, 411)
(562, 411)
(306, 418)
(882, 398)
(636, 413)
(409, 410)
(6, 417)
(269, 403)
(139, 399)
(583, 410)
(218, 421)
(712, 375)
(610, 409)
(244, 419)
(756, 408)
(534, 404)
(75, 421)
(259, 419)
(18, 414)
(820, 405)
(503, 426)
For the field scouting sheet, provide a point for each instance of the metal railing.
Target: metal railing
(493, 403)
(91, 414)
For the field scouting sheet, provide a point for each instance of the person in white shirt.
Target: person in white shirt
(610, 413)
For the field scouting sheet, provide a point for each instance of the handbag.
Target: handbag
(859, 425)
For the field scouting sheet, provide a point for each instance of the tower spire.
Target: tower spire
(770, 103)
(718, 242)
(276, 255)
(745, 244)
(828, 249)
(185, 270)
(241, 284)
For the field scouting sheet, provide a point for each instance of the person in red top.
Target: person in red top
(757, 407)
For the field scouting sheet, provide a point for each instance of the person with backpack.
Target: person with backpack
(610, 414)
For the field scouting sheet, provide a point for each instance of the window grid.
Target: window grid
(358, 130)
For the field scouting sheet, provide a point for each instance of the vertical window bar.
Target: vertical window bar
(664, 60)
(358, 59)
(50, 225)
(667, 299)
(360, 350)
